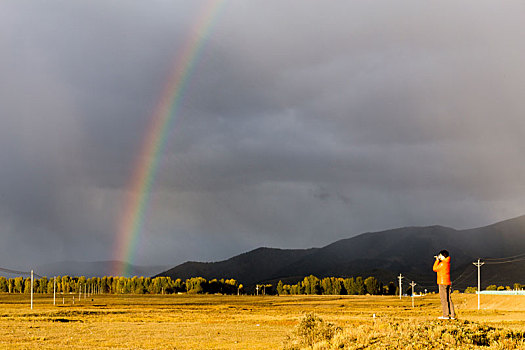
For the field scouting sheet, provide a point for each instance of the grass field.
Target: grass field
(250, 322)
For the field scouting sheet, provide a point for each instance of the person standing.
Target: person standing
(442, 267)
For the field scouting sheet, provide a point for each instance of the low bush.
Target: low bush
(313, 333)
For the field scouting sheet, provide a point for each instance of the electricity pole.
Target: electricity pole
(479, 264)
(413, 285)
(400, 277)
(31, 289)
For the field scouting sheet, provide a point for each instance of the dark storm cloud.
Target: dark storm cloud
(302, 123)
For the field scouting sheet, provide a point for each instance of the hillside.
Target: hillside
(247, 268)
(383, 254)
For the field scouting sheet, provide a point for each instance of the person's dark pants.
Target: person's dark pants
(446, 302)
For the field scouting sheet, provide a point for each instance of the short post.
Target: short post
(31, 289)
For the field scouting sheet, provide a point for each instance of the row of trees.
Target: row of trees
(338, 286)
(120, 285)
(196, 285)
(517, 286)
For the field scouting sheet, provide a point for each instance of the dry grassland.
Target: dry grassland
(245, 322)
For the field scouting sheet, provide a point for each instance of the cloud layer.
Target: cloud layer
(303, 123)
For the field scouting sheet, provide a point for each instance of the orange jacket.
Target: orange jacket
(443, 271)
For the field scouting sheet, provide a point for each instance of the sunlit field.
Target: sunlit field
(263, 322)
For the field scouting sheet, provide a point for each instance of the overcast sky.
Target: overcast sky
(303, 122)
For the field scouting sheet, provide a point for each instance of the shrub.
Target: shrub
(415, 335)
(312, 331)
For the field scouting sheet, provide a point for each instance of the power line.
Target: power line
(494, 279)
(505, 258)
(505, 262)
(463, 276)
(15, 272)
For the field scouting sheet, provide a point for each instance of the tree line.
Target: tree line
(195, 285)
(338, 286)
(516, 286)
(120, 285)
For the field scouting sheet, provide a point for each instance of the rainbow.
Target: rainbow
(131, 223)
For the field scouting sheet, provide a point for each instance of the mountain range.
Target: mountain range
(408, 251)
(96, 269)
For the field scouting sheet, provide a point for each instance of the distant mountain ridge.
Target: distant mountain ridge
(384, 254)
(96, 269)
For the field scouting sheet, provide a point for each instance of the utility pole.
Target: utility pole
(413, 285)
(31, 289)
(479, 264)
(400, 277)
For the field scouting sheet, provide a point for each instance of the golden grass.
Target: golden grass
(222, 322)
